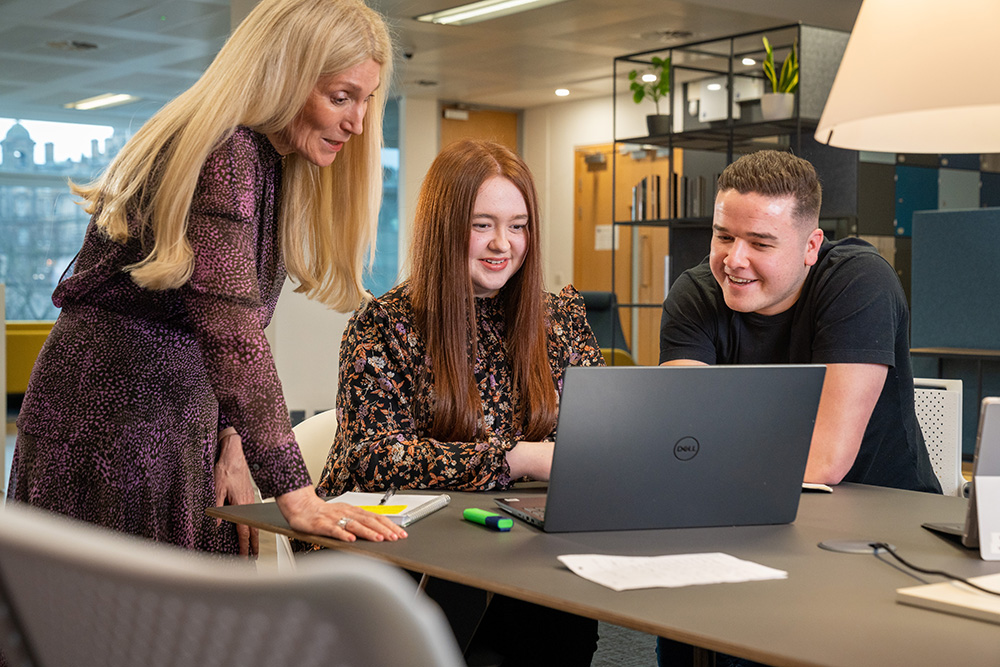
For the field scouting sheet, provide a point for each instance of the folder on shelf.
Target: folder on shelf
(673, 196)
(655, 212)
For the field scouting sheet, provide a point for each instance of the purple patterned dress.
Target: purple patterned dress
(120, 422)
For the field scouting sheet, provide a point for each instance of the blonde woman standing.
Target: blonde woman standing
(156, 394)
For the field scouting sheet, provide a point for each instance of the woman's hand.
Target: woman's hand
(233, 486)
(531, 459)
(307, 513)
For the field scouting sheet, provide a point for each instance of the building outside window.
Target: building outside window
(42, 226)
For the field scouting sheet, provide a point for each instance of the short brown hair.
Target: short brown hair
(777, 174)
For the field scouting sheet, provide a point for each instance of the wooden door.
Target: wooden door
(492, 125)
(640, 251)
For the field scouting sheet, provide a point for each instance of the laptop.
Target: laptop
(643, 447)
(985, 469)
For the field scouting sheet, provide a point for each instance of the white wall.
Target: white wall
(305, 340)
(419, 137)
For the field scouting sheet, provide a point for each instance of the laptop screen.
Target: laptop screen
(681, 446)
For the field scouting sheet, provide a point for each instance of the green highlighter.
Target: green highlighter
(488, 519)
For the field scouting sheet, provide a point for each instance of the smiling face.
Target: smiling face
(333, 113)
(760, 253)
(499, 237)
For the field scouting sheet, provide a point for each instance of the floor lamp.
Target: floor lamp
(918, 76)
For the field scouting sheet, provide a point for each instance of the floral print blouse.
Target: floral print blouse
(383, 410)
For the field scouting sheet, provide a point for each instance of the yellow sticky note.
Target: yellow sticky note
(384, 509)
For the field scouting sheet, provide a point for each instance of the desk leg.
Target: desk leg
(703, 657)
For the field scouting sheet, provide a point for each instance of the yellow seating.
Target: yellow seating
(614, 356)
(24, 342)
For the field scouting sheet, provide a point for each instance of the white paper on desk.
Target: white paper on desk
(623, 573)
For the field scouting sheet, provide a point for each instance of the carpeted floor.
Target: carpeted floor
(621, 647)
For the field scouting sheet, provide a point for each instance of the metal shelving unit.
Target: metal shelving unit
(709, 78)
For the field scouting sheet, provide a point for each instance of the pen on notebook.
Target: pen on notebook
(388, 494)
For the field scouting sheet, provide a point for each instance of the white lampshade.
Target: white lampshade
(918, 76)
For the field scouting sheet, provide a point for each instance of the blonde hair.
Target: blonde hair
(261, 78)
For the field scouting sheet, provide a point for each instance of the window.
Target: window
(42, 226)
(385, 269)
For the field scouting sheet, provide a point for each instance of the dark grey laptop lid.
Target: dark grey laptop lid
(985, 463)
(681, 446)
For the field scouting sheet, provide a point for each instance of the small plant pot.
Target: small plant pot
(777, 106)
(658, 124)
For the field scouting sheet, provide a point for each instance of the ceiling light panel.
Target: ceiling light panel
(102, 101)
(482, 11)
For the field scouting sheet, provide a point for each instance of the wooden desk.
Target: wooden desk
(834, 609)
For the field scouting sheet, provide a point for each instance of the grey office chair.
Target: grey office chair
(938, 405)
(75, 594)
(602, 315)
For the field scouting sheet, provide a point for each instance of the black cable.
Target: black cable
(900, 568)
(892, 552)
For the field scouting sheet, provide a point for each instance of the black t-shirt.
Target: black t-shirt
(851, 310)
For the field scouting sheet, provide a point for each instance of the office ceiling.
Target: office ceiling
(57, 51)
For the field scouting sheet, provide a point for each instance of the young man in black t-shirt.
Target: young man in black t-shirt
(773, 290)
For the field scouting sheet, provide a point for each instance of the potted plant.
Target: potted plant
(780, 102)
(654, 84)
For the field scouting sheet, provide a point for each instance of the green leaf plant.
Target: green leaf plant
(788, 81)
(655, 90)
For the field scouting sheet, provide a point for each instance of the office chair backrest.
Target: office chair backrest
(315, 437)
(939, 412)
(75, 594)
(603, 317)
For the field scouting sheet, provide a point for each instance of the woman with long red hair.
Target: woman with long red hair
(451, 379)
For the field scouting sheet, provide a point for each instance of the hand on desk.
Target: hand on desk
(307, 513)
(233, 485)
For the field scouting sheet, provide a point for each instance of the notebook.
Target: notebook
(401, 509)
(985, 475)
(955, 597)
(641, 447)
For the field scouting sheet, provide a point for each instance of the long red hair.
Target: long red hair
(444, 304)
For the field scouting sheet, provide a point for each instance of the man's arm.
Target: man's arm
(850, 392)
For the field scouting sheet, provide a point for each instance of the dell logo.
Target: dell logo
(686, 448)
